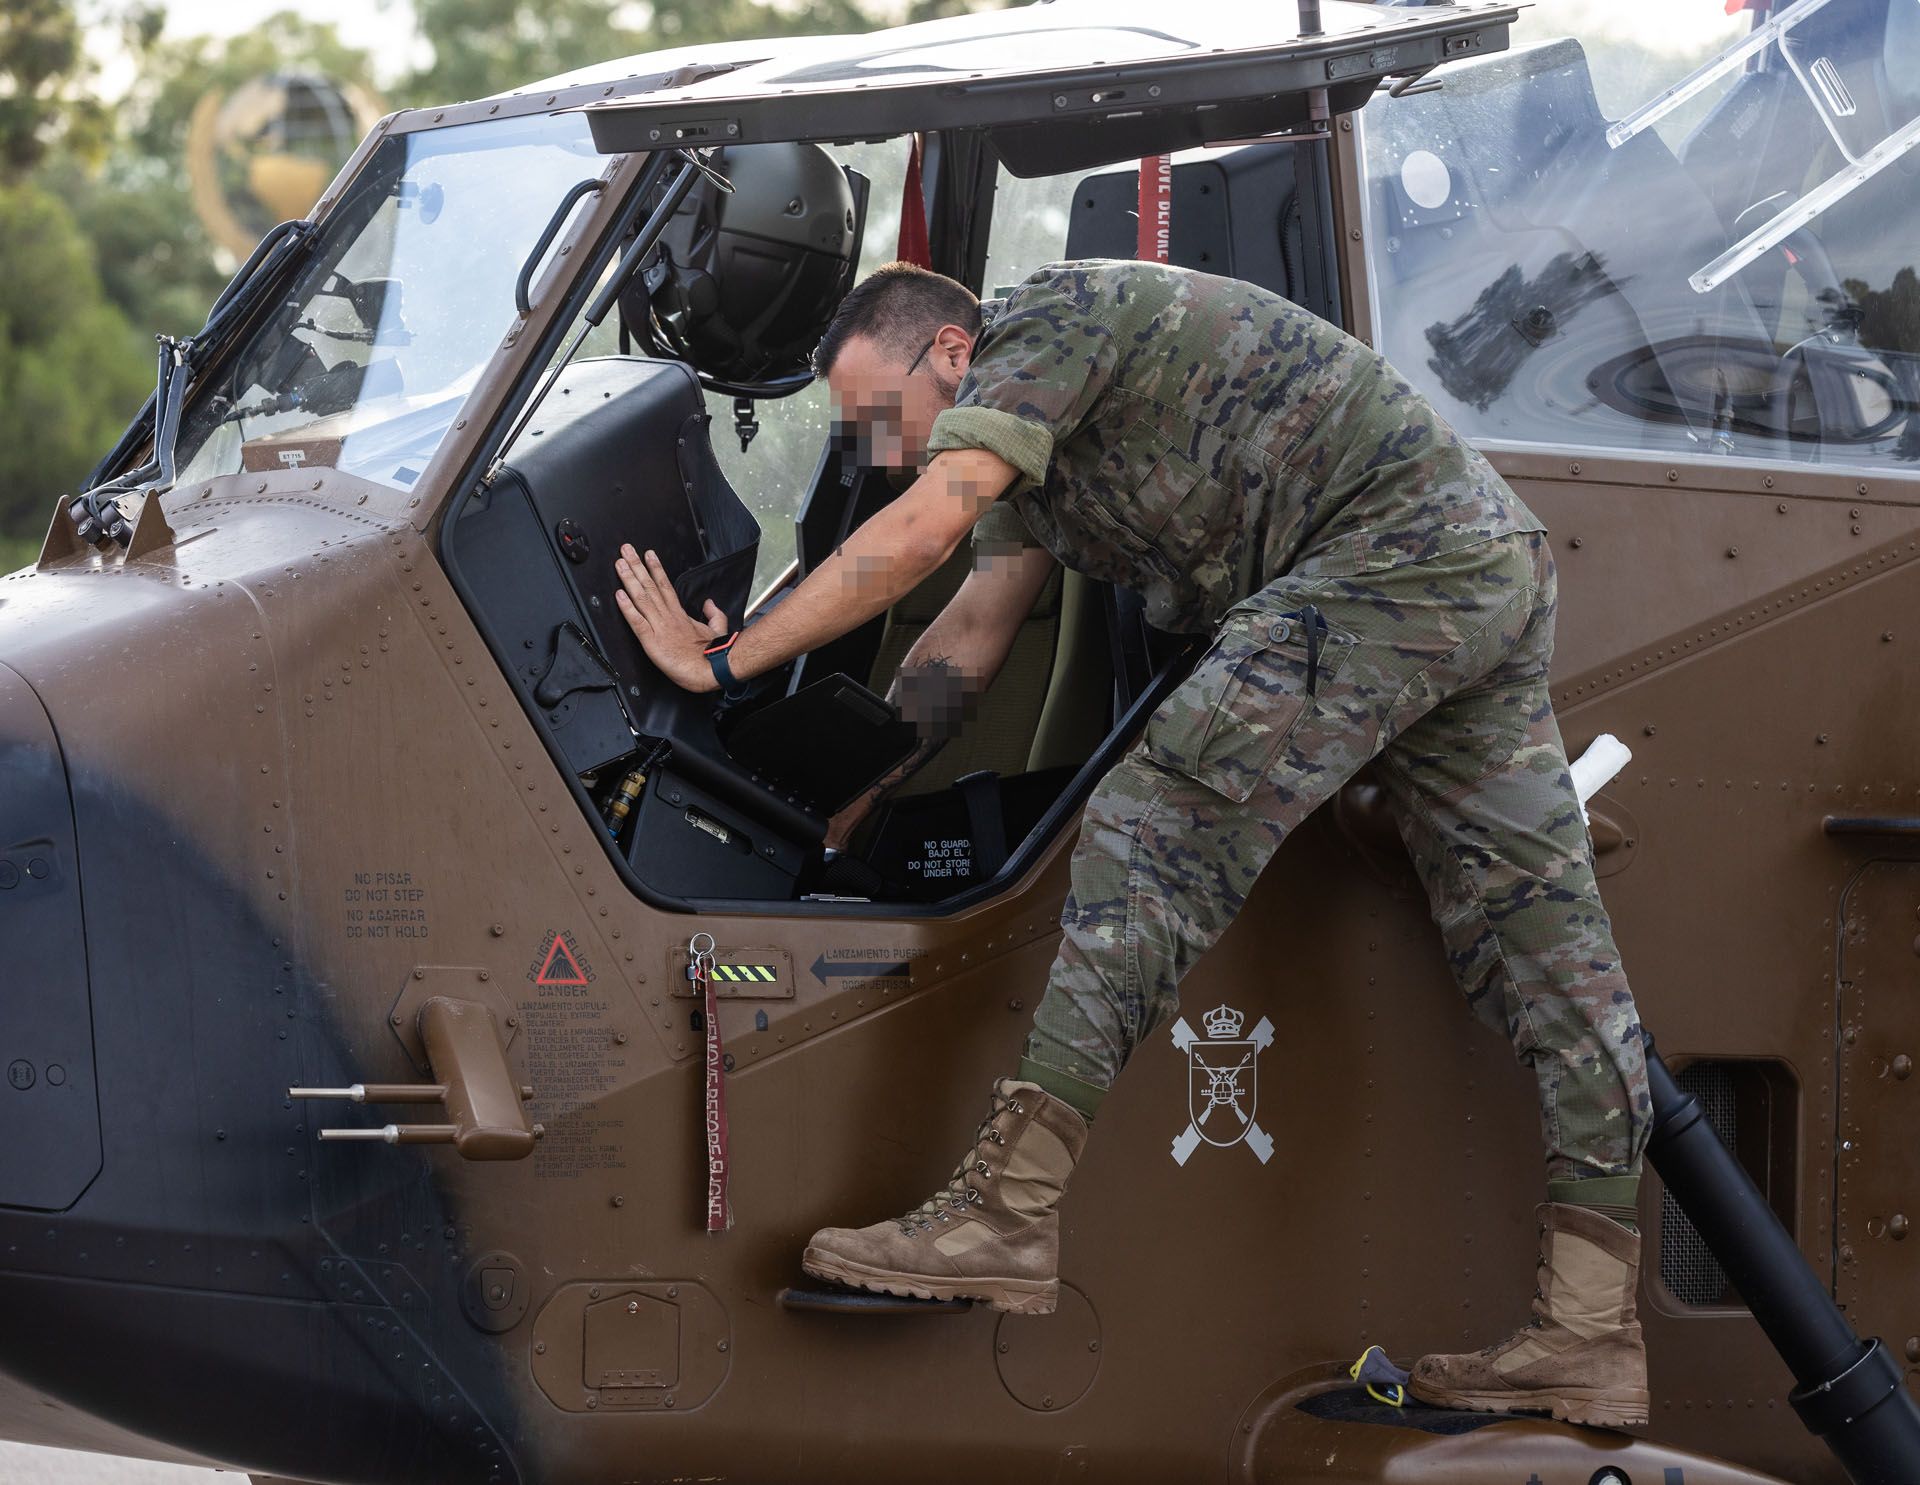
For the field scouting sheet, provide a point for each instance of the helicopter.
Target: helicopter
(358, 873)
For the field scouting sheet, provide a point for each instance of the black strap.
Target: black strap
(731, 688)
(986, 821)
(1310, 617)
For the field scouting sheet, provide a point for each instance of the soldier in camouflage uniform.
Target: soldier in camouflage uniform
(1374, 593)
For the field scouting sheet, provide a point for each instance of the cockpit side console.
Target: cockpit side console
(735, 804)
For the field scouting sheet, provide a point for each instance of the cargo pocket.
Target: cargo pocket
(1226, 725)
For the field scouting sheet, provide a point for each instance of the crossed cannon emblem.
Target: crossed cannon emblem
(1223, 1078)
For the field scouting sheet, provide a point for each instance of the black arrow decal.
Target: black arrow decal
(825, 969)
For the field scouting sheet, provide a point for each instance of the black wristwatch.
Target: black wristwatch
(730, 688)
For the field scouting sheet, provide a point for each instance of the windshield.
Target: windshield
(1682, 231)
(407, 294)
(1819, 56)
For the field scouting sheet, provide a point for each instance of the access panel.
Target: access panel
(51, 1116)
(1877, 1176)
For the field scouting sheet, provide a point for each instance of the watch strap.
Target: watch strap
(730, 687)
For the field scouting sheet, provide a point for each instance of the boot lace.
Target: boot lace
(1539, 1305)
(959, 1193)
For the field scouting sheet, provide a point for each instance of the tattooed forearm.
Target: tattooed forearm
(907, 767)
(850, 815)
(936, 696)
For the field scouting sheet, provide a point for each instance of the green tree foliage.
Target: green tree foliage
(479, 44)
(156, 262)
(100, 248)
(71, 367)
(41, 68)
(1890, 317)
(176, 75)
(485, 46)
(99, 244)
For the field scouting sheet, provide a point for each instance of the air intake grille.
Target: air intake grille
(1690, 1272)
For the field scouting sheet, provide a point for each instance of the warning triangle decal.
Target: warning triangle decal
(561, 967)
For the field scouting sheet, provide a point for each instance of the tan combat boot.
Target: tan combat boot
(1581, 1359)
(992, 1233)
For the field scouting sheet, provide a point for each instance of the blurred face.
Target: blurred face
(885, 400)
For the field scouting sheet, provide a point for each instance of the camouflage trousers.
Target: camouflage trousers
(1435, 671)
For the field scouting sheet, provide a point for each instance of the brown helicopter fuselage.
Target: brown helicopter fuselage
(282, 794)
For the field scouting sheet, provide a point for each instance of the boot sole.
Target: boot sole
(1594, 1407)
(1014, 1296)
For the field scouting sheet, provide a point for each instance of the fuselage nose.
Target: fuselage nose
(52, 1150)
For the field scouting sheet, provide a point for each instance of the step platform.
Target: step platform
(1318, 1428)
(817, 1297)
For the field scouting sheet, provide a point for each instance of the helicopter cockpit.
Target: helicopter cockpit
(1716, 270)
(730, 801)
(715, 800)
(371, 333)
(1562, 259)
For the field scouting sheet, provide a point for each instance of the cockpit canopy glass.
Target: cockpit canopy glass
(366, 362)
(1682, 232)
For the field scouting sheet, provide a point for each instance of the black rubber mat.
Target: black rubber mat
(1352, 1405)
(831, 1299)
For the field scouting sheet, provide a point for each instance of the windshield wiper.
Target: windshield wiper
(96, 512)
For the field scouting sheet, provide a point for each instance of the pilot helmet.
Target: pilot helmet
(745, 281)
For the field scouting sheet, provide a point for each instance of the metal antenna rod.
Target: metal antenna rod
(1319, 119)
(378, 1092)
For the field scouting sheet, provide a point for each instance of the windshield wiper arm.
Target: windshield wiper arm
(96, 511)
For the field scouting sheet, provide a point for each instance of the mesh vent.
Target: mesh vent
(1690, 1272)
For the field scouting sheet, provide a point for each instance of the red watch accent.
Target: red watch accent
(716, 654)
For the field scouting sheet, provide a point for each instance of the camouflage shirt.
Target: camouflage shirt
(1192, 438)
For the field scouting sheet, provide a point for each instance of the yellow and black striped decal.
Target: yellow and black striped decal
(752, 974)
(739, 973)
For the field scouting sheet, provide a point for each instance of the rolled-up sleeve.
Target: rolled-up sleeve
(1025, 444)
(1036, 373)
(1001, 532)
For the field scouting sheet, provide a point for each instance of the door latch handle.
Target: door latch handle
(487, 1108)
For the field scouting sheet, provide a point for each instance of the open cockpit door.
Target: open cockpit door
(1063, 84)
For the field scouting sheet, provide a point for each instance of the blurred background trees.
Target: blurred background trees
(100, 247)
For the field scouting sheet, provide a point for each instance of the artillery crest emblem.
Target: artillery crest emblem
(1223, 1084)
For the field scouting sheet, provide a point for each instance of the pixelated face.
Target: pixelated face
(885, 400)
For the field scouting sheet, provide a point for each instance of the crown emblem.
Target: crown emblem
(1223, 1022)
(1223, 1072)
